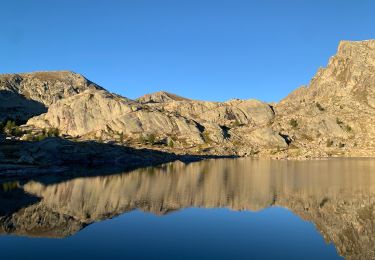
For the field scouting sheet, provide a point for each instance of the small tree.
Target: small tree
(293, 122)
(121, 137)
(147, 139)
(170, 143)
(236, 123)
(151, 138)
(329, 143)
(319, 106)
(53, 132)
(8, 128)
(11, 128)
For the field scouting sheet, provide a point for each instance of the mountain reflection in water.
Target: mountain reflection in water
(336, 195)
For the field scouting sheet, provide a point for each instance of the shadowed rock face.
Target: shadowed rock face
(336, 195)
(18, 107)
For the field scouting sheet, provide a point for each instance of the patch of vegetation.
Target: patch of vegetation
(253, 152)
(147, 139)
(121, 137)
(51, 132)
(319, 106)
(294, 123)
(11, 128)
(341, 145)
(323, 202)
(329, 143)
(206, 137)
(170, 143)
(345, 127)
(237, 123)
(9, 186)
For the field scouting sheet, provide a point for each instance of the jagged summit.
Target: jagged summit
(160, 97)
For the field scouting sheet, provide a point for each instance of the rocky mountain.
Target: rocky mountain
(28, 94)
(160, 97)
(333, 116)
(336, 111)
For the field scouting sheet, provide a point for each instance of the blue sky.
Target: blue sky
(202, 49)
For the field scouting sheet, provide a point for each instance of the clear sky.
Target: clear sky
(203, 49)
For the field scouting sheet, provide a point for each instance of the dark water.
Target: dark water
(216, 209)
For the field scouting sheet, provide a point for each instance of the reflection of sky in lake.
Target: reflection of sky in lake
(193, 233)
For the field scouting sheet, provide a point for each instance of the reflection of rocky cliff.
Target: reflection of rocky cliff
(336, 195)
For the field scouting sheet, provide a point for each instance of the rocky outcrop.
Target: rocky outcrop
(46, 87)
(335, 112)
(160, 97)
(337, 196)
(186, 123)
(93, 112)
(26, 95)
(231, 113)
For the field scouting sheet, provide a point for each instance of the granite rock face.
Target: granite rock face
(333, 116)
(46, 87)
(94, 114)
(335, 113)
(26, 95)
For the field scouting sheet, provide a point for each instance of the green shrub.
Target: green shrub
(348, 128)
(121, 137)
(329, 143)
(338, 121)
(170, 143)
(11, 128)
(341, 145)
(236, 123)
(293, 122)
(147, 139)
(51, 132)
(319, 106)
(206, 137)
(151, 138)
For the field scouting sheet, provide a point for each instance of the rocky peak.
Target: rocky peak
(46, 87)
(160, 97)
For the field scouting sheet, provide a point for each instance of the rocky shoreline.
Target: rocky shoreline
(21, 159)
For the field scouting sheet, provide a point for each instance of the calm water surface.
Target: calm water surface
(215, 209)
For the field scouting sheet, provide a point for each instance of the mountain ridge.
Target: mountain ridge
(332, 116)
